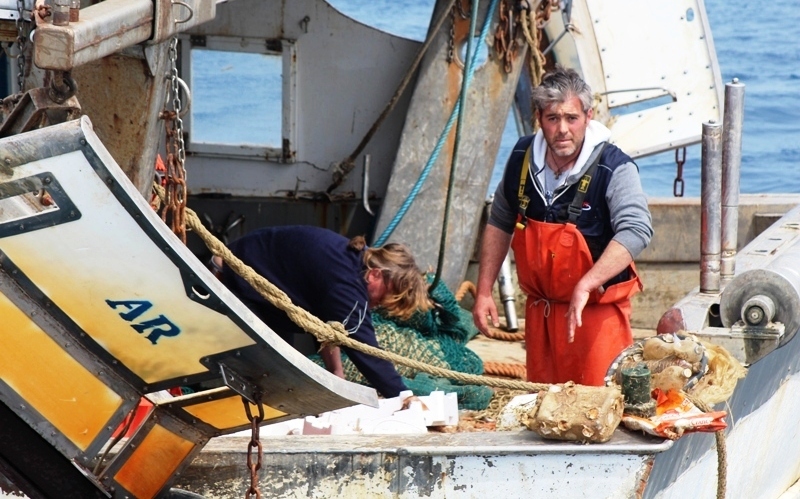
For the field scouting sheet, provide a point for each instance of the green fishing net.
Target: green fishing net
(438, 338)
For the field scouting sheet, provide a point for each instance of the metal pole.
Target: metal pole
(61, 12)
(365, 186)
(732, 124)
(507, 294)
(710, 207)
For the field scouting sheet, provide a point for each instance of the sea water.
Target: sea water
(756, 42)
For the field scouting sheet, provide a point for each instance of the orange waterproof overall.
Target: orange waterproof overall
(551, 258)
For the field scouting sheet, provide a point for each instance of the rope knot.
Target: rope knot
(546, 306)
(329, 335)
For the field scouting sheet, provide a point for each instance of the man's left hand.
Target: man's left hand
(580, 295)
(614, 260)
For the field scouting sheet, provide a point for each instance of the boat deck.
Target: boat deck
(493, 443)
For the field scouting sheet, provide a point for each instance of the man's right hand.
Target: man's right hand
(484, 309)
(493, 251)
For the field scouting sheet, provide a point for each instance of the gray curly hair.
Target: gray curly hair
(559, 85)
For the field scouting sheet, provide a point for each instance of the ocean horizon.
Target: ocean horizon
(756, 43)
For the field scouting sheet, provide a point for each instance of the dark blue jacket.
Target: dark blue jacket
(594, 222)
(319, 273)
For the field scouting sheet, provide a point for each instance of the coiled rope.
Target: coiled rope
(506, 369)
(533, 21)
(493, 333)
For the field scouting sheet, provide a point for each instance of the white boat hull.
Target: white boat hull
(480, 465)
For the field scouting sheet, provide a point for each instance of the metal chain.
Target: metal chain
(464, 13)
(546, 8)
(533, 20)
(175, 202)
(451, 42)
(677, 186)
(505, 36)
(458, 7)
(500, 34)
(21, 42)
(254, 443)
(62, 86)
(176, 97)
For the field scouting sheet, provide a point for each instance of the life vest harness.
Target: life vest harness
(575, 207)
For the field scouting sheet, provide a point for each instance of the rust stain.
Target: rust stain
(97, 40)
(643, 477)
(110, 89)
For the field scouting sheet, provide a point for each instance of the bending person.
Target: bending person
(334, 279)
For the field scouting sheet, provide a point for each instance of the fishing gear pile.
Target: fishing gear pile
(670, 383)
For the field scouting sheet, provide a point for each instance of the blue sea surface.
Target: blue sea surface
(220, 120)
(755, 42)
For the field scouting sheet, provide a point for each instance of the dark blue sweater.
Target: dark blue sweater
(318, 272)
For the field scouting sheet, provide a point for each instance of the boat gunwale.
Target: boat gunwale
(520, 442)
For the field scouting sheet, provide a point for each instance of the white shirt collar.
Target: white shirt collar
(596, 133)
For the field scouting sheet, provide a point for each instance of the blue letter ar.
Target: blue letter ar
(135, 308)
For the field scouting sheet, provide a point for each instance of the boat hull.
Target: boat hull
(496, 464)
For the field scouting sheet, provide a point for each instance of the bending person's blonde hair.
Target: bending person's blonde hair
(407, 288)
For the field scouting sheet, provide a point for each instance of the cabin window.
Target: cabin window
(242, 97)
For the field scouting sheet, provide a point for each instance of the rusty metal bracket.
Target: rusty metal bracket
(62, 87)
(176, 16)
(188, 7)
(104, 28)
(36, 109)
(239, 384)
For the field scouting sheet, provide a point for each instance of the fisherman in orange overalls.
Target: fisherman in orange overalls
(572, 208)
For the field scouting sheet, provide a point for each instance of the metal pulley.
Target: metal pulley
(758, 311)
(759, 298)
